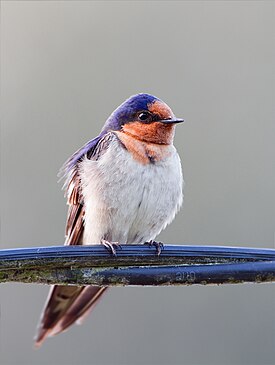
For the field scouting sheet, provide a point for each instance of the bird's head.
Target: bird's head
(145, 117)
(142, 116)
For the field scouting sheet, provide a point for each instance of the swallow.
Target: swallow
(124, 186)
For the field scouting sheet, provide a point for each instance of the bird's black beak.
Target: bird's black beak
(170, 121)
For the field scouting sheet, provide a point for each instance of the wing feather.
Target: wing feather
(68, 304)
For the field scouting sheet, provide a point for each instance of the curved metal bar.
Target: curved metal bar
(137, 265)
(169, 251)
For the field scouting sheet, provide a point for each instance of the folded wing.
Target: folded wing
(68, 304)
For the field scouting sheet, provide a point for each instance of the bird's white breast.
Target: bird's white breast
(126, 201)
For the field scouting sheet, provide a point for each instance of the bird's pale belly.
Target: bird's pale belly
(126, 201)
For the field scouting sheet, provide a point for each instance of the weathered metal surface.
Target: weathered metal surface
(137, 265)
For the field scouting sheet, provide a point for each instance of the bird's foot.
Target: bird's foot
(111, 246)
(159, 246)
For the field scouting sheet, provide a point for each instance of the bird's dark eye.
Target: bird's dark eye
(144, 116)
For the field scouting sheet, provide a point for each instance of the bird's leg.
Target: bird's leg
(111, 246)
(159, 246)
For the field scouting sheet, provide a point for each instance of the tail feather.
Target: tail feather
(66, 305)
(86, 301)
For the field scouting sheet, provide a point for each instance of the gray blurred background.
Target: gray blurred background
(64, 67)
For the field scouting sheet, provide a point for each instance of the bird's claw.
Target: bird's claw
(159, 246)
(111, 246)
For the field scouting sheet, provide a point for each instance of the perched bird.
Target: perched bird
(123, 186)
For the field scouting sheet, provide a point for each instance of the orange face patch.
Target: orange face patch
(156, 132)
(143, 152)
(161, 109)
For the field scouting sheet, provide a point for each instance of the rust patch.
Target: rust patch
(141, 151)
(161, 109)
(155, 132)
(135, 147)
